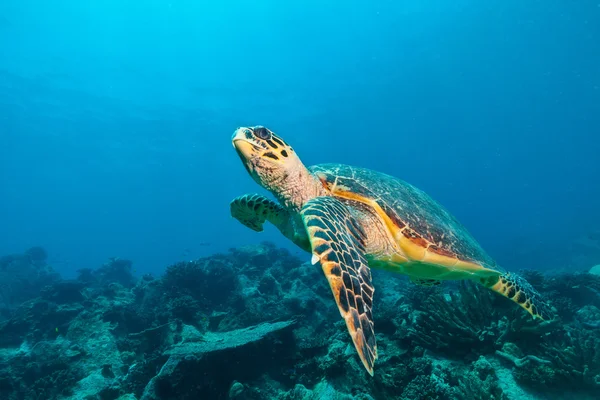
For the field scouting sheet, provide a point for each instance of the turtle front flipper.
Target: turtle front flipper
(521, 292)
(252, 210)
(337, 242)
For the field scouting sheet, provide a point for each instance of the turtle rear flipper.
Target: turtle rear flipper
(337, 241)
(521, 292)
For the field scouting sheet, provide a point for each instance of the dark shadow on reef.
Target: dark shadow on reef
(258, 323)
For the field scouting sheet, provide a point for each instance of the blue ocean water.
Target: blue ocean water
(116, 117)
(123, 275)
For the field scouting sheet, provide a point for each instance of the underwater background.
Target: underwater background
(123, 274)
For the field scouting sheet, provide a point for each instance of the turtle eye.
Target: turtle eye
(262, 133)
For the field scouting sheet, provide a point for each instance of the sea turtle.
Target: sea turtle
(352, 219)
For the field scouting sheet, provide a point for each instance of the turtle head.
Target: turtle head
(274, 165)
(266, 156)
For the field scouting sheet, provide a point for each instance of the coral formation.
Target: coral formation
(257, 323)
(22, 276)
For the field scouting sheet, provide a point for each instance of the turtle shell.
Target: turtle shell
(417, 216)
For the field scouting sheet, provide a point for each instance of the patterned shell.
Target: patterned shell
(427, 222)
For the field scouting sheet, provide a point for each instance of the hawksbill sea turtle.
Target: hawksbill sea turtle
(352, 219)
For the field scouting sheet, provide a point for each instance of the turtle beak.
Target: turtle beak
(245, 149)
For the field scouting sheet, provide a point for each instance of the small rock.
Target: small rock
(595, 270)
(236, 390)
(589, 316)
(214, 319)
(128, 396)
(512, 349)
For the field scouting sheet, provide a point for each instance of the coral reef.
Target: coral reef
(22, 276)
(258, 323)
